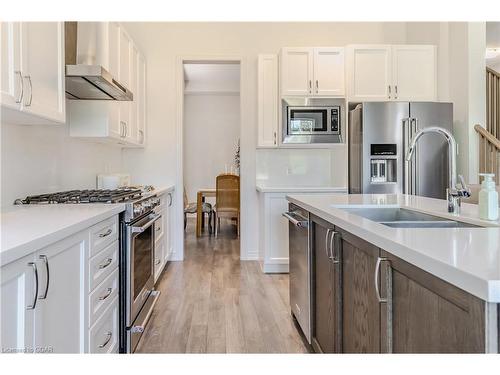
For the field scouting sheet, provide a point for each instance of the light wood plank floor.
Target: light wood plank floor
(213, 303)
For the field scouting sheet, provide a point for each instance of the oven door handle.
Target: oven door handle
(147, 225)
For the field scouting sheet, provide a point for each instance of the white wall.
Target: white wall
(211, 132)
(38, 159)
(164, 43)
(461, 71)
(302, 167)
(493, 34)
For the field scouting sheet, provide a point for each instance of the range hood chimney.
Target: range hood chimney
(85, 81)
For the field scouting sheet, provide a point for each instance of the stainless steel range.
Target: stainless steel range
(137, 294)
(137, 246)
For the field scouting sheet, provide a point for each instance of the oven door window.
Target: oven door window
(143, 259)
(307, 121)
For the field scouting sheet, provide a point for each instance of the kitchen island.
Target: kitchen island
(403, 289)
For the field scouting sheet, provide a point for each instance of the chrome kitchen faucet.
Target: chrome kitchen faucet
(453, 193)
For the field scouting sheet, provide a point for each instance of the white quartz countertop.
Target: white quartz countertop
(163, 190)
(468, 258)
(25, 229)
(307, 189)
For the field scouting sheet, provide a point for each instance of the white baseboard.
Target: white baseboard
(274, 268)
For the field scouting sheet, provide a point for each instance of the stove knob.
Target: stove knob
(137, 209)
(147, 204)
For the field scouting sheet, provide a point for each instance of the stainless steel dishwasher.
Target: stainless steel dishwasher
(300, 265)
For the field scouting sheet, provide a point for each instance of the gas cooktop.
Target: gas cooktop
(122, 195)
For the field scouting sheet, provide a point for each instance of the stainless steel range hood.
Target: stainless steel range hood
(89, 82)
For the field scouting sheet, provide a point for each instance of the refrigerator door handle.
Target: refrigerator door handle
(414, 162)
(406, 164)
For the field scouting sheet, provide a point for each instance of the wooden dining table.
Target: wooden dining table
(202, 194)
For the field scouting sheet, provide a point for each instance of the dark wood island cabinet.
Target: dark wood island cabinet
(366, 300)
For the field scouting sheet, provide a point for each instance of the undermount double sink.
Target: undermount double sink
(397, 217)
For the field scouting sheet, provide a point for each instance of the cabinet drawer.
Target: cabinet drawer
(102, 264)
(102, 234)
(160, 226)
(104, 334)
(102, 296)
(159, 261)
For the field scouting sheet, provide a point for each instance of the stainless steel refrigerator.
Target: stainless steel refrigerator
(379, 134)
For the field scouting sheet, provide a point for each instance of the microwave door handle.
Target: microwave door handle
(147, 225)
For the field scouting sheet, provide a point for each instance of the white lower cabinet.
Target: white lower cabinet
(273, 241)
(163, 238)
(17, 294)
(53, 299)
(273, 230)
(60, 312)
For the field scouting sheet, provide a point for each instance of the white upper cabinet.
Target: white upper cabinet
(117, 122)
(125, 53)
(43, 69)
(268, 100)
(141, 100)
(11, 84)
(108, 41)
(33, 90)
(296, 71)
(329, 76)
(312, 71)
(369, 72)
(384, 72)
(414, 72)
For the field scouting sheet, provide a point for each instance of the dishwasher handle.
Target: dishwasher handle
(296, 219)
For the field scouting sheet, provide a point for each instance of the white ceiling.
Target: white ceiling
(212, 77)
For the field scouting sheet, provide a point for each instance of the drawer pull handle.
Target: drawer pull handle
(157, 262)
(107, 233)
(102, 298)
(109, 334)
(106, 264)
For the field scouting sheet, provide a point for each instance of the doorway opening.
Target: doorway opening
(211, 156)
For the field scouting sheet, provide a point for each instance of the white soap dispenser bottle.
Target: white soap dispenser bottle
(488, 198)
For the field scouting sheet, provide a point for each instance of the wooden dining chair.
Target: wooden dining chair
(227, 199)
(191, 208)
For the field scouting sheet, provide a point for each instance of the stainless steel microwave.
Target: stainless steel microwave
(312, 120)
